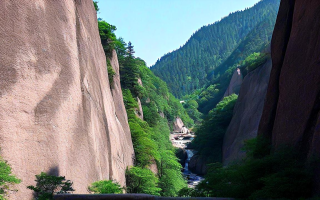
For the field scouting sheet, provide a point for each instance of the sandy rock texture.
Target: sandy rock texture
(235, 83)
(291, 111)
(247, 113)
(139, 110)
(57, 112)
(178, 124)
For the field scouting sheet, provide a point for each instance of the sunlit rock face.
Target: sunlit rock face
(57, 112)
(291, 111)
(247, 113)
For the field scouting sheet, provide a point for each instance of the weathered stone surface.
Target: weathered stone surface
(291, 111)
(198, 165)
(57, 112)
(178, 124)
(247, 113)
(139, 110)
(235, 83)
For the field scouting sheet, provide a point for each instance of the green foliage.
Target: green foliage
(150, 137)
(6, 179)
(279, 175)
(210, 133)
(141, 180)
(95, 3)
(111, 72)
(48, 185)
(215, 48)
(107, 36)
(105, 187)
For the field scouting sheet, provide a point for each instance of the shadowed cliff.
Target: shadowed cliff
(291, 111)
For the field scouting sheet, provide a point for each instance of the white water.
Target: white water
(193, 179)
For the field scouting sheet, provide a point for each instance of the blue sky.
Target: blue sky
(156, 27)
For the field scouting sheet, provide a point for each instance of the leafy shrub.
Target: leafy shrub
(6, 179)
(48, 185)
(141, 180)
(105, 187)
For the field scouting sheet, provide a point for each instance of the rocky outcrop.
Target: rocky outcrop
(198, 165)
(292, 108)
(178, 124)
(57, 112)
(235, 83)
(139, 110)
(182, 156)
(247, 113)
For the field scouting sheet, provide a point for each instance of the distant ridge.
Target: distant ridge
(194, 64)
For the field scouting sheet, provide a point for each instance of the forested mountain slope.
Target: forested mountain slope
(151, 110)
(193, 66)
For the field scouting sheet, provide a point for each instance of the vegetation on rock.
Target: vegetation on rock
(105, 187)
(7, 179)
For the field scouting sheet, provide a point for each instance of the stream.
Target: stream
(193, 179)
(180, 141)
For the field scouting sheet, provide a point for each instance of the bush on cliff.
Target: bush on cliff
(6, 179)
(47, 186)
(141, 180)
(105, 187)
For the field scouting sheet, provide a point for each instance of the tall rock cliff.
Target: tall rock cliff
(247, 113)
(291, 111)
(57, 112)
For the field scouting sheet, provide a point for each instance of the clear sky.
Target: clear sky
(156, 27)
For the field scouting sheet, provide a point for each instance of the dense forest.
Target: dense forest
(216, 47)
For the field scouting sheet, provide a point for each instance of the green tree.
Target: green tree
(107, 36)
(105, 187)
(7, 180)
(141, 180)
(47, 186)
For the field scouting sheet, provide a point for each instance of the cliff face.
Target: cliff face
(247, 113)
(291, 111)
(57, 112)
(235, 83)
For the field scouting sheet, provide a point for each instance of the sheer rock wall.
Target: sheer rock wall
(57, 112)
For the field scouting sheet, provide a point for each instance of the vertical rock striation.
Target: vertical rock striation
(57, 112)
(291, 111)
(247, 113)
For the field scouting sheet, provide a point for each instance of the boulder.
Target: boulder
(198, 165)
(57, 112)
(178, 125)
(182, 156)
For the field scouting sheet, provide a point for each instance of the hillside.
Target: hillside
(152, 111)
(194, 65)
